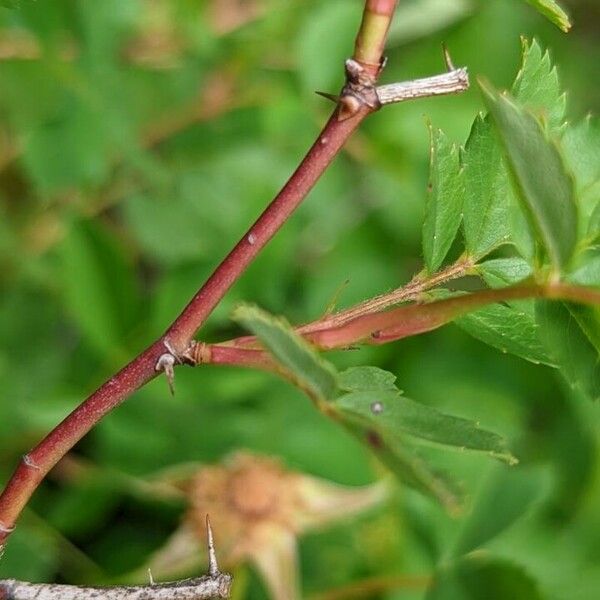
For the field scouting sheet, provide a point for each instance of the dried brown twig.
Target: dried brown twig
(213, 585)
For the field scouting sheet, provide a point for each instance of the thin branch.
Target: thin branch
(213, 585)
(200, 588)
(385, 326)
(412, 291)
(453, 82)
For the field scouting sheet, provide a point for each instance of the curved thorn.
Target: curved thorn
(166, 363)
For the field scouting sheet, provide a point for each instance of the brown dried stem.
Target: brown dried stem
(213, 585)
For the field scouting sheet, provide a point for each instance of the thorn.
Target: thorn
(150, 578)
(447, 59)
(335, 99)
(349, 106)
(213, 567)
(6, 529)
(166, 363)
(382, 64)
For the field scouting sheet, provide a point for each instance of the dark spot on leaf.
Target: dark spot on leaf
(374, 440)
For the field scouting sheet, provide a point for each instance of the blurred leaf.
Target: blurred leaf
(392, 426)
(81, 508)
(483, 578)
(69, 150)
(554, 12)
(303, 364)
(319, 54)
(570, 346)
(406, 464)
(594, 224)
(420, 18)
(588, 273)
(588, 319)
(537, 86)
(30, 556)
(505, 497)
(392, 414)
(443, 208)
(539, 174)
(581, 145)
(487, 188)
(99, 286)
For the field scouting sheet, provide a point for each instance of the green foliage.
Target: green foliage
(367, 402)
(554, 12)
(542, 183)
(575, 352)
(444, 200)
(478, 578)
(390, 413)
(138, 140)
(525, 145)
(537, 86)
(487, 192)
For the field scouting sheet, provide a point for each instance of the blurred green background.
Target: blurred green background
(138, 140)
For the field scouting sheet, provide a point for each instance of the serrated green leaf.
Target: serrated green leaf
(500, 272)
(554, 12)
(581, 146)
(483, 578)
(303, 364)
(487, 190)
(543, 186)
(392, 413)
(509, 329)
(521, 234)
(578, 359)
(362, 379)
(444, 202)
(537, 86)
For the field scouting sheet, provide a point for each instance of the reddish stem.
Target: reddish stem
(391, 325)
(323, 151)
(35, 465)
